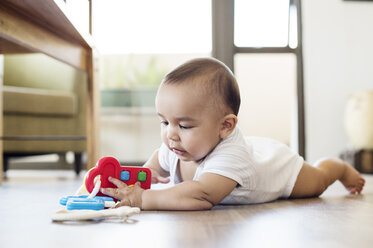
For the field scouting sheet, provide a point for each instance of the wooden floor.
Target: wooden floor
(28, 198)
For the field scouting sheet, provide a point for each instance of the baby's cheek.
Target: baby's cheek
(199, 150)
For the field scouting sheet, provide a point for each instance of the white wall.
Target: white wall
(338, 60)
(268, 91)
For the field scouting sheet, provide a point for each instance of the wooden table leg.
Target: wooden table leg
(1, 115)
(93, 110)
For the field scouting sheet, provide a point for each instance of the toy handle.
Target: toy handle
(105, 167)
(89, 180)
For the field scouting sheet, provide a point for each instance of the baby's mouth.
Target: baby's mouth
(178, 152)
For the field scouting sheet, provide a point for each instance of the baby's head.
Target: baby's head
(197, 103)
(213, 79)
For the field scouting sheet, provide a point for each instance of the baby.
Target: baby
(210, 161)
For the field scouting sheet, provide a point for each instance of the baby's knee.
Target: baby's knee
(310, 182)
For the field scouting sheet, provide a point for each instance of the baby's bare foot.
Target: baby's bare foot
(352, 180)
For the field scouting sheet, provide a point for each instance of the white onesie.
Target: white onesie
(264, 169)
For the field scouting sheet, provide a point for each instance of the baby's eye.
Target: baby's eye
(165, 123)
(185, 127)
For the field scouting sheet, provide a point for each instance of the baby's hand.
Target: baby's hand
(128, 196)
(156, 178)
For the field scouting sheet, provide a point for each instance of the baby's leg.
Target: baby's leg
(313, 181)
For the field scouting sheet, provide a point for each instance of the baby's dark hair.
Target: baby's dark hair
(216, 78)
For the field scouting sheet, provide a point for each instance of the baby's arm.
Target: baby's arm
(159, 175)
(205, 193)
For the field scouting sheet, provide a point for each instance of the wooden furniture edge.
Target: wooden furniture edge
(16, 29)
(1, 116)
(17, 32)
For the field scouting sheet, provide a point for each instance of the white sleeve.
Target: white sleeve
(231, 161)
(163, 157)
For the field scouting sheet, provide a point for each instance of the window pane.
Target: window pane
(129, 124)
(140, 41)
(268, 94)
(293, 29)
(261, 23)
(139, 71)
(148, 26)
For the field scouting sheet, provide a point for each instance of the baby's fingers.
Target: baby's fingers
(113, 192)
(117, 182)
(122, 203)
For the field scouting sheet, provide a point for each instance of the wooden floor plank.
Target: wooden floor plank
(336, 219)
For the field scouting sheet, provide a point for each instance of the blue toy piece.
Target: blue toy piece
(83, 202)
(65, 199)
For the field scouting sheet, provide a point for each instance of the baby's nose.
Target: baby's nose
(172, 133)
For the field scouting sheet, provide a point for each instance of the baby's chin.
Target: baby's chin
(186, 158)
(195, 160)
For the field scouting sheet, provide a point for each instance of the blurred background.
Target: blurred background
(272, 46)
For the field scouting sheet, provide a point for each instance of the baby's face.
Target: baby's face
(189, 125)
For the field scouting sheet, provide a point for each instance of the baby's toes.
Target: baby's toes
(352, 191)
(359, 188)
(361, 183)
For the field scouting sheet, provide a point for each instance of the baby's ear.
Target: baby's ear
(229, 122)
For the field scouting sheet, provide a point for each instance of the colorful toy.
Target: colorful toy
(109, 167)
(84, 207)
